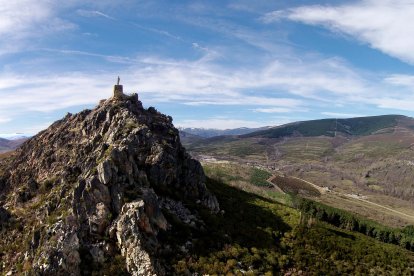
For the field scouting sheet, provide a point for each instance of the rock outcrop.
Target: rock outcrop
(89, 193)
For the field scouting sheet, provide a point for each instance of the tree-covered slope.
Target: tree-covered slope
(328, 127)
(258, 236)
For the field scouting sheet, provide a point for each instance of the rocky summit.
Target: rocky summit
(95, 192)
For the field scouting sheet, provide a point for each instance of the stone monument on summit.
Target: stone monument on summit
(120, 96)
(118, 90)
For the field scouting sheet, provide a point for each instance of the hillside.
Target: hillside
(259, 236)
(377, 164)
(10, 144)
(97, 193)
(188, 138)
(332, 127)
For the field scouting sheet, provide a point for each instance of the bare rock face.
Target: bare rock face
(137, 219)
(92, 189)
(62, 257)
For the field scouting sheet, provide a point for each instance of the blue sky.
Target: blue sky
(215, 64)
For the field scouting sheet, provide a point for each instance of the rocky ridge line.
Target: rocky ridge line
(91, 191)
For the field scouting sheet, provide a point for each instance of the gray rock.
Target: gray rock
(61, 258)
(129, 227)
(105, 172)
(106, 165)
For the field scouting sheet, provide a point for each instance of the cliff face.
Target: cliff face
(90, 193)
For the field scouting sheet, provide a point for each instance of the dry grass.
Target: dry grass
(5, 154)
(311, 148)
(367, 210)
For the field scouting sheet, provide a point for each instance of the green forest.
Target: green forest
(345, 220)
(256, 235)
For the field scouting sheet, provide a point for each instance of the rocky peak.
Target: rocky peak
(93, 187)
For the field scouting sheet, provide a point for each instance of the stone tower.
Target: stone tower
(118, 90)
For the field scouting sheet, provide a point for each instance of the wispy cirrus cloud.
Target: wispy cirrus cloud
(227, 123)
(383, 24)
(310, 79)
(290, 86)
(341, 115)
(157, 31)
(94, 13)
(273, 110)
(402, 80)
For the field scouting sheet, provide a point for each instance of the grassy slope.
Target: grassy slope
(258, 235)
(227, 147)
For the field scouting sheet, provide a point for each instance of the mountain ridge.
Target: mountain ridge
(11, 144)
(90, 188)
(212, 132)
(374, 161)
(357, 126)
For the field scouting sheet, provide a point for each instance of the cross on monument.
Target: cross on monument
(118, 80)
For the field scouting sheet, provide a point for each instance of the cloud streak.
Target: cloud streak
(224, 123)
(93, 13)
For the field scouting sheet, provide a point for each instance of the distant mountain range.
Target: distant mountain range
(358, 126)
(11, 143)
(367, 155)
(212, 132)
(14, 136)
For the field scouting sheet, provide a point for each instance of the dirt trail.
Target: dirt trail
(379, 205)
(322, 191)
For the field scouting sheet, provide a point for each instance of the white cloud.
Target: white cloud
(23, 20)
(5, 120)
(341, 115)
(312, 79)
(49, 93)
(385, 25)
(21, 16)
(273, 110)
(395, 103)
(34, 129)
(289, 85)
(401, 80)
(222, 123)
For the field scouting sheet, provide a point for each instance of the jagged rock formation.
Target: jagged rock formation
(88, 194)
